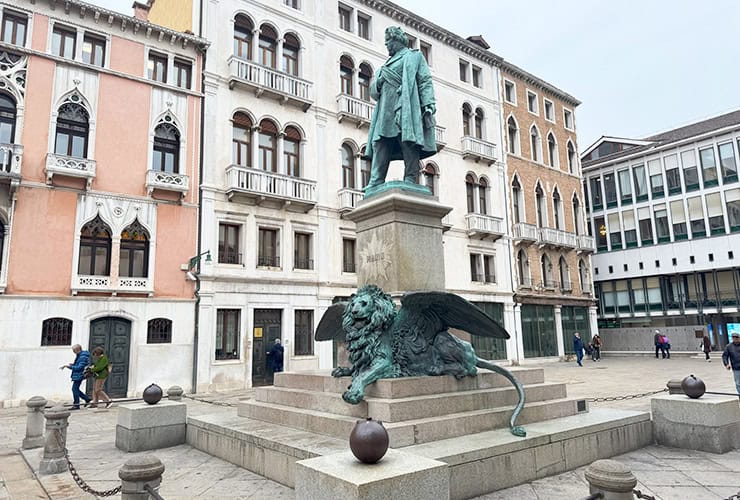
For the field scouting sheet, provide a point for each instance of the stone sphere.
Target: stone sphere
(152, 394)
(368, 441)
(693, 387)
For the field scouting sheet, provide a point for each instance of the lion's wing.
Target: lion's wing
(330, 326)
(452, 311)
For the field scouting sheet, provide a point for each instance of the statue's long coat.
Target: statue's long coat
(406, 89)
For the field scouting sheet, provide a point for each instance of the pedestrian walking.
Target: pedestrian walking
(578, 347)
(658, 340)
(596, 343)
(706, 344)
(82, 359)
(666, 347)
(101, 368)
(731, 359)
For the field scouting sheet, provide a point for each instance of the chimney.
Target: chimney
(141, 10)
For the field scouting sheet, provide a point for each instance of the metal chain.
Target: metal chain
(623, 398)
(81, 482)
(215, 403)
(736, 496)
(643, 496)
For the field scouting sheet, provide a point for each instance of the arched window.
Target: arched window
(348, 167)
(583, 275)
(95, 244)
(7, 121)
(268, 46)
(365, 168)
(134, 256)
(552, 150)
(513, 131)
(534, 143)
(546, 270)
(291, 49)
(268, 146)
(429, 172)
(557, 209)
(366, 74)
(540, 206)
(72, 131)
(470, 185)
(482, 194)
(241, 142)
(166, 150)
(516, 200)
(243, 29)
(159, 331)
(479, 123)
(564, 274)
(346, 72)
(292, 151)
(572, 160)
(522, 263)
(56, 331)
(577, 214)
(2, 244)
(466, 114)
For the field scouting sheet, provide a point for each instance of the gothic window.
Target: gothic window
(564, 274)
(577, 214)
(243, 28)
(516, 200)
(552, 150)
(546, 270)
(134, 256)
(466, 115)
(479, 123)
(540, 206)
(429, 172)
(513, 131)
(557, 209)
(583, 275)
(166, 151)
(292, 151)
(470, 189)
(534, 143)
(268, 146)
(2, 244)
(482, 193)
(268, 46)
(241, 141)
(56, 331)
(523, 267)
(346, 71)
(365, 75)
(572, 160)
(72, 131)
(291, 49)
(365, 168)
(159, 331)
(7, 123)
(348, 167)
(95, 248)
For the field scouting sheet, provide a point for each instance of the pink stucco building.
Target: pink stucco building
(99, 163)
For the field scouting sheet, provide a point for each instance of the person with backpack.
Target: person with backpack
(100, 370)
(82, 359)
(596, 353)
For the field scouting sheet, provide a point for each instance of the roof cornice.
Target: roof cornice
(529, 78)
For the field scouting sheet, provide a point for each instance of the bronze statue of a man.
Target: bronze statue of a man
(402, 127)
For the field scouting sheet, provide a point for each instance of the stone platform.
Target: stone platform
(463, 423)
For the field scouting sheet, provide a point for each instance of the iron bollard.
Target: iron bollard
(53, 460)
(174, 393)
(140, 477)
(34, 423)
(612, 479)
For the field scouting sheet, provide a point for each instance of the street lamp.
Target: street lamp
(194, 261)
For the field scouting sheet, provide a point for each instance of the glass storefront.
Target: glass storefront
(538, 331)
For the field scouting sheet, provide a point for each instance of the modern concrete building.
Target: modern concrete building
(99, 151)
(665, 212)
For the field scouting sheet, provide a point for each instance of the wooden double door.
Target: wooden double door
(114, 334)
(267, 328)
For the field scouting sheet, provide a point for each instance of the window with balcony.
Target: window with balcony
(535, 143)
(714, 211)
(470, 189)
(157, 67)
(303, 251)
(728, 165)
(267, 144)
(291, 50)
(95, 249)
(133, 259)
(661, 223)
(696, 217)
(243, 29)
(596, 196)
(678, 218)
(672, 175)
(366, 169)
(577, 216)
(348, 166)
(690, 172)
(513, 135)
(479, 123)
(72, 131)
(625, 186)
(546, 272)
(557, 209)
(363, 80)
(522, 266)
(346, 73)
(14, 28)
(363, 26)
(268, 252)
(615, 231)
(56, 331)
(345, 18)
(267, 46)
(63, 42)
(159, 331)
(646, 225)
(292, 151)
(303, 333)
(227, 334)
(7, 121)
(166, 149)
(93, 50)
(183, 73)
(610, 190)
(482, 196)
(229, 248)
(241, 141)
(467, 113)
(517, 202)
(540, 206)
(552, 151)
(348, 255)
(708, 167)
(732, 198)
(510, 92)
(428, 174)
(532, 103)
(572, 158)
(630, 229)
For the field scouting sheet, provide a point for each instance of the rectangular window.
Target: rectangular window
(63, 42)
(732, 197)
(549, 111)
(489, 269)
(227, 334)
(696, 217)
(615, 232)
(157, 67)
(509, 92)
(708, 167)
(303, 333)
(568, 119)
(678, 217)
(463, 71)
(426, 51)
(291, 3)
(625, 186)
(475, 270)
(690, 172)
(638, 173)
(345, 18)
(477, 77)
(302, 251)
(14, 28)
(348, 255)
(630, 231)
(727, 162)
(93, 50)
(412, 41)
(268, 255)
(183, 70)
(610, 190)
(228, 244)
(532, 104)
(714, 211)
(363, 26)
(661, 223)
(596, 193)
(656, 179)
(646, 226)
(600, 225)
(673, 177)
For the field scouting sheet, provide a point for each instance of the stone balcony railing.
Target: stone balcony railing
(440, 136)
(524, 233)
(349, 198)
(484, 226)
(11, 159)
(71, 167)
(557, 238)
(167, 181)
(353, 109)
(106, 284)
(586, 243)
(259, 186)
(478, 149)
(287, 88)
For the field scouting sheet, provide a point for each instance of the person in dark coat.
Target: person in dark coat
(731, 358)
(578, 347)
(707, 347)
(658, 340)
(82, 359)
(275, 357)
(596, 353)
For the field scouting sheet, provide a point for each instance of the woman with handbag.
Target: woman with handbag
(100, 369)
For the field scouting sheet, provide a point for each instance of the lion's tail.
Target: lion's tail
(517, 430)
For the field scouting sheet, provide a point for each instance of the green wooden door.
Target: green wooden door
(114, 334)
(538, 331)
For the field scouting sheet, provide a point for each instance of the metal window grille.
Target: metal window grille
(56, 331)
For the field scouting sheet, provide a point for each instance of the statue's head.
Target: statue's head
(395, 39)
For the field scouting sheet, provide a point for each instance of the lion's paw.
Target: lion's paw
(352, 396)
(341, 371)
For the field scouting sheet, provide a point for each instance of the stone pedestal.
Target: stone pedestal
(34, 423)
(53, 460)
(398, 475)
(612, 479)
(710, 423)
(399, 241)
(142, 426)
(137, 474)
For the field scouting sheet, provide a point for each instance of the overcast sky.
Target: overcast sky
(638, 66)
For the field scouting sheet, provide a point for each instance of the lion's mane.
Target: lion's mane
(363, 340)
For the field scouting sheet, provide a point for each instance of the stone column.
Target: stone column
(592, 312)
(520, 332)
(559, 331)
(174, 393)
(138, 473)
(53, 461)
(512, 350)
(34, 423)
(612, 479)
